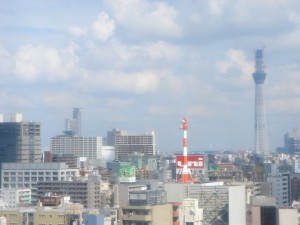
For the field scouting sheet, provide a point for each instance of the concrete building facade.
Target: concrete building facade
(90, 147)
(16, 197)
(146, 214)
(87, 192)
(19, 175)
(280, 188)
(139, 143)
(190, 213)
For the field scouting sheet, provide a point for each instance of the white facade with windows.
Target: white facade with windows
(27, 175)
(90, 147)
(15, 197)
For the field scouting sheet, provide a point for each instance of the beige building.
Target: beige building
(91, 192)
(146, 214)
(287, 216)
(63, 215)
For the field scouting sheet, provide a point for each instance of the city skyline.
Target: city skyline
(143, 65)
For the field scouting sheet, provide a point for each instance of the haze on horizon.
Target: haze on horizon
(143, 65)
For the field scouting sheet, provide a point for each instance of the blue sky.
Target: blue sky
(143, 65)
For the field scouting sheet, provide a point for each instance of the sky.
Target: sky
(143, 65)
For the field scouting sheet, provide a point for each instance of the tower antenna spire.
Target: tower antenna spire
(259, 76)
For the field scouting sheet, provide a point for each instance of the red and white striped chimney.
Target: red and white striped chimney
(185, 171)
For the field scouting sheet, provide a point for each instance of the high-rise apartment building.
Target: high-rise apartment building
(126, 144)
(259, 76)
(20, 141)
(90, 147)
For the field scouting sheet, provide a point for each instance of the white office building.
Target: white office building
(27, 175)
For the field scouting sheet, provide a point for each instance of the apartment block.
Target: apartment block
(126, 144)
(90, 147)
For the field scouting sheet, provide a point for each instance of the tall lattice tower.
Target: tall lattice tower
(259, 76)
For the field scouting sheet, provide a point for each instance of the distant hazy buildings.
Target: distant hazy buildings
(111, 135)
(291, 143)
(73, 126)
(20, 141)
(259, 76)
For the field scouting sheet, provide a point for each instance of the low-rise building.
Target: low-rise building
(21, 175)
(67, 214)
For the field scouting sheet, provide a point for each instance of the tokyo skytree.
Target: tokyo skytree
(259, 76)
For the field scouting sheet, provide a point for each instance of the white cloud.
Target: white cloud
(216, 7)
(158, 110)
(200, 111)
(103, 27)
(146, 18)
(6, 62)
(162, 50)
(236, 68)
(140, 82)
(77, 31)
(47, 63)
